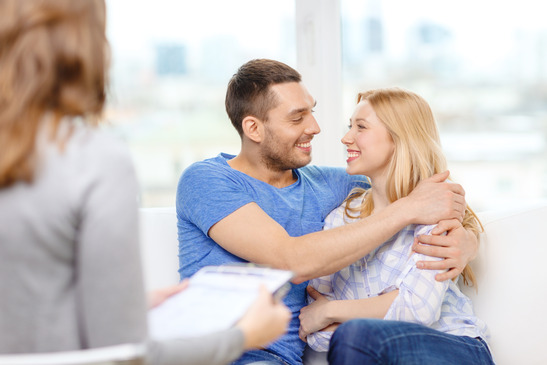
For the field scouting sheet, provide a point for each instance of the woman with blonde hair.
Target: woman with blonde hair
(70, 273)
(389, 311)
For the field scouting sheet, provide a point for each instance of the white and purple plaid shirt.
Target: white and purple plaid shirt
(421, 299)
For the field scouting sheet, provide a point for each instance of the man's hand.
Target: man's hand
(458, 247)
(434, 200)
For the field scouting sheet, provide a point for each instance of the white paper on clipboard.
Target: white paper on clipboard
(216, 298)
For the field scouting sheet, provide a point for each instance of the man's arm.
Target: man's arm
(252, 235)
(458, 247)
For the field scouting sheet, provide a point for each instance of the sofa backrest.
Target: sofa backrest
(511, 288)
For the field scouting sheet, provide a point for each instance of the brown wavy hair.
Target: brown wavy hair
(52, 61)
(417, 156)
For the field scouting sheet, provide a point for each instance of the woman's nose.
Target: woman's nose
(348, 138)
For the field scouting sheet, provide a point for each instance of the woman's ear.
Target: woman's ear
(252, 128)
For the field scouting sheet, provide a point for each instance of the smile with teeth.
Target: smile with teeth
(303, 145)
(352, 155)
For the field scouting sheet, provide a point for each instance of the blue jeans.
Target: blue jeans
(259, 357)
(375, 341)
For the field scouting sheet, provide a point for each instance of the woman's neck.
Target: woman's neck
(379, 194)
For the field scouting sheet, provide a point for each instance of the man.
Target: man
(266, 206)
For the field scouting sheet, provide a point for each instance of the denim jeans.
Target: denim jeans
(375, 341)
(259, 357)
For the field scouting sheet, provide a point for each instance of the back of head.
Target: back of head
(52, 59)
(249, 90)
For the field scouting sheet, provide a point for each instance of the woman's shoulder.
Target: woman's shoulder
(89, 143)
(85, 136)
(339, 216)
(84, 152)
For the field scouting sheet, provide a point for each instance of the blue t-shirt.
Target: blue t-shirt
(210, 190)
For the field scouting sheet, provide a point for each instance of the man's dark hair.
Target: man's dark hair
(249, 90)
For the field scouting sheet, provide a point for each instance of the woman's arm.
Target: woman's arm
(110, 290)
(218, 348)
(420, 295)
(320, 288)
(323, 312)
(417, 298)
(263, 322)
(111, 298)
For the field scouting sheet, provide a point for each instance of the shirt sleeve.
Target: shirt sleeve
(207, 192)
(215, 349)
(420, 295)
(319, 341)
(109, 283)
(110, 286)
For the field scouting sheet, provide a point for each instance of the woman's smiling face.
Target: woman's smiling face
(369, 143)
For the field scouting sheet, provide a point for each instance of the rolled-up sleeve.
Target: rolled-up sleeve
(319, 341)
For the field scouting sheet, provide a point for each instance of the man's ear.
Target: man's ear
(253, 128)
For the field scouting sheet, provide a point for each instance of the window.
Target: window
(171, 62)
(482, 66)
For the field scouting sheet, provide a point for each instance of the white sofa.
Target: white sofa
(511, 292)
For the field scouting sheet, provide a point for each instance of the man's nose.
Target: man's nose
(313, 128)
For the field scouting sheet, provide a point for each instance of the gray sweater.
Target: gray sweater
(70, 275)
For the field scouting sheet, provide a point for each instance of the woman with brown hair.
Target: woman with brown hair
(70, 273)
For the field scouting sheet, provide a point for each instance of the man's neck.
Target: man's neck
(256, 169)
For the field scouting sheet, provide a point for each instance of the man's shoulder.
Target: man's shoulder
(208, 166)
(204, 175)
(313, 171)
(331, 176)
(324, 169)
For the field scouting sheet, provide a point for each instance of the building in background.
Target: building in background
(484, 76)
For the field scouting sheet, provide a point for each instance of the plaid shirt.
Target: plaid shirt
(421, 299)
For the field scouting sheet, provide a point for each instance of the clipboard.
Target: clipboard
(216, 298)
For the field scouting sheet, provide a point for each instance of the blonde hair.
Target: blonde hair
(417, 155)
(52, 60)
